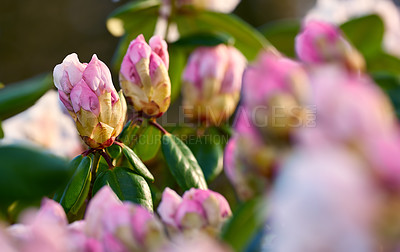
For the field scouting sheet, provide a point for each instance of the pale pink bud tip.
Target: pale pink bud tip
(159, 46)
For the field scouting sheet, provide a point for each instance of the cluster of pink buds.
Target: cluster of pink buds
(109, 225)
(112, 225)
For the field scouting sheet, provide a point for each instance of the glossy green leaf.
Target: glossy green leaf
(29, 173)
(203, 39)
(72, 166)
(76, 190)
(209, 155)
(282, 34)
(246, 221)
(137, 164)
(103, 166)
(126, 185)
(182, 164)
(391, 85)
(128, 133)
(114, 151)
(1, 132)
(17, 97)
(247, 39)
(126, 11)
(176, 65)
(148, 143)
(365, 33)
(135, 18)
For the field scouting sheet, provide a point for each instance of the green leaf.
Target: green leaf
(391, 85)
(244, 224)
(1, 132)
(365, 33)
(135, 18)
(29, 173)
(282, 34)
(182, 164)
(176, 65)
(76, 191)
(203, 39)
(72, 166)
(126, 11)
(247, 39)
(137, 164)
(209, 155)
(103, 166)
(114, 151)
(383, 62)
(128, 133)
(126, 185)
(148, 144)
(17, 97)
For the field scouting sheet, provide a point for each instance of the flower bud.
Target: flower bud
(196, 210)
(249, 163)
(212, 82)
(88, 93)
(321, 42)
(275, 89)
(122, 226)
(144, 76)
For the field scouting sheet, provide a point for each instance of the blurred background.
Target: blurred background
(35, 35)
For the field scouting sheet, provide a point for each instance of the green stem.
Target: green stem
(95, 165)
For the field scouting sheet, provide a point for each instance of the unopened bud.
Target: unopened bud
(211, 83)
(144, 76)
(196, 210)
(321, 42)
(88, 93)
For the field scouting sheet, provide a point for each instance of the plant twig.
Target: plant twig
(95, 165)
(108, 159)
(153, 122)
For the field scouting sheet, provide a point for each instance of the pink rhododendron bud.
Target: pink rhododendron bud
(275, 89)
(6, 242)
(196, 210)
(321, 42)
(249, 163)
(122, 226)
(325, 193)
(212, 82)
(144, 76)
(341, 118)
(98, 207)
(88, 93)
(42, 230)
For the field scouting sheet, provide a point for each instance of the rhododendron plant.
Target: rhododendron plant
(222, 137)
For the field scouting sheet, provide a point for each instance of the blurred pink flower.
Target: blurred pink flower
(321, 42)
(121, 226)
(324, 200)
(212, 81)
(275, 89)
